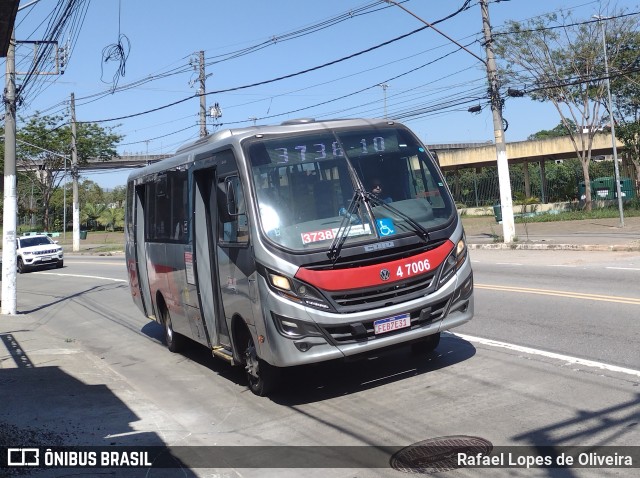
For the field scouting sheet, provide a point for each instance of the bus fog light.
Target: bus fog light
(302, 346)
(294, 329)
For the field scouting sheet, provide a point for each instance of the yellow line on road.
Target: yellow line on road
(558, 293)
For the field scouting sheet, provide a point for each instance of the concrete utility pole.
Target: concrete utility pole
(506, 202)
(74, 177)
(10, 205)
(203, 98)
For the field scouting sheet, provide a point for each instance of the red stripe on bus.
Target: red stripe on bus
(370, 276)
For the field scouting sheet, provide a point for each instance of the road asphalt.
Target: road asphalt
(55, 393)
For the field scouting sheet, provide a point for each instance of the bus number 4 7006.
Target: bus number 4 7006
(413, 268)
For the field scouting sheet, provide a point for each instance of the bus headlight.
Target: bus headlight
(297, 291)
(453, 262)
(280, 282)
(295, 329)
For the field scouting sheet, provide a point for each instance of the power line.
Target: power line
(308, 70)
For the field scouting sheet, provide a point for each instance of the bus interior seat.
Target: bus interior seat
(323, 194)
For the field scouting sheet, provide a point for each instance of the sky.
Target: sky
(430, 82)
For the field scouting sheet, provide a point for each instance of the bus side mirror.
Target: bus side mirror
(235, 206)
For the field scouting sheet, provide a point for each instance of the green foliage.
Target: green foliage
(91, 213)
(43, 150)
(548, 53)
(578, 214)
(117, 196)
(559, 131)
(112, 218)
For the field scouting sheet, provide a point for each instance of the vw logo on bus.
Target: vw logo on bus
(385, 274)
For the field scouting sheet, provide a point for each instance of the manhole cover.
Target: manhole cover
(438, 454)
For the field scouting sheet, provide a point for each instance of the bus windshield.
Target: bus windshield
(308, 186)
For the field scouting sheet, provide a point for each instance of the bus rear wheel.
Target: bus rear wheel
(262, 377)
(173, 340)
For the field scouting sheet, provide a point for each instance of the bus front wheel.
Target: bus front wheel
(261, 376)
(173, 340)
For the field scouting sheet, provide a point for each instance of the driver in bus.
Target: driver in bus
(376, 190)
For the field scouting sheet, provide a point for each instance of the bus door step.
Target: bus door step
(223, 353)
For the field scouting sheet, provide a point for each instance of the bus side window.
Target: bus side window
(232, 212)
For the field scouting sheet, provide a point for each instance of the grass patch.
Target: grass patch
(604, 213)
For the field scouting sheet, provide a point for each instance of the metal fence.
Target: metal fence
(557, 182)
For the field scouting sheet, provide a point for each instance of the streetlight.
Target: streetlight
(613, 130)
(384, 87)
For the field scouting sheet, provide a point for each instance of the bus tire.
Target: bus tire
(262, 377)
(173, 340)
(427, 345)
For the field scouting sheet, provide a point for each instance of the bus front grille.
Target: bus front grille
(362, 331)
(366, 299)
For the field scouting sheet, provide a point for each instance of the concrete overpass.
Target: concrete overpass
(452, 157)
(125, 161)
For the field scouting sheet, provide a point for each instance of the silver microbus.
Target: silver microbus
(309, 241)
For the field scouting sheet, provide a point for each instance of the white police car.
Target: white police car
(37, 251)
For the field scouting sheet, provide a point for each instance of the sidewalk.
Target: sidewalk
(586, 235)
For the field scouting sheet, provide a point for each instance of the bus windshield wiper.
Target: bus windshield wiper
(418, 228)
(345, 226)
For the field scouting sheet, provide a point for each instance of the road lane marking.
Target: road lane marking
(556, 293)
(624, 268)
(82, 276)
(564, 358)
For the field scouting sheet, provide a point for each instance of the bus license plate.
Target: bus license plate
(390, 324)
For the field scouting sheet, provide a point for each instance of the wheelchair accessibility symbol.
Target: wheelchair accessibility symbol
(385, 227)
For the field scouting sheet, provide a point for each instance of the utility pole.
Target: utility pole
(74, 177)
(506, 202)
(203, 99)
(10, 205)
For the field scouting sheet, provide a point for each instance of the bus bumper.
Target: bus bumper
(450, 306)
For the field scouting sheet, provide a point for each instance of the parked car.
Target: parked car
(38, 251)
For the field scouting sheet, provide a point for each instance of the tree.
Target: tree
(560, 59)
(117, 196)
(629, 133)
(112, 218)
(91, 213)
(559, 131)
(43, 146)
(626, 94)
